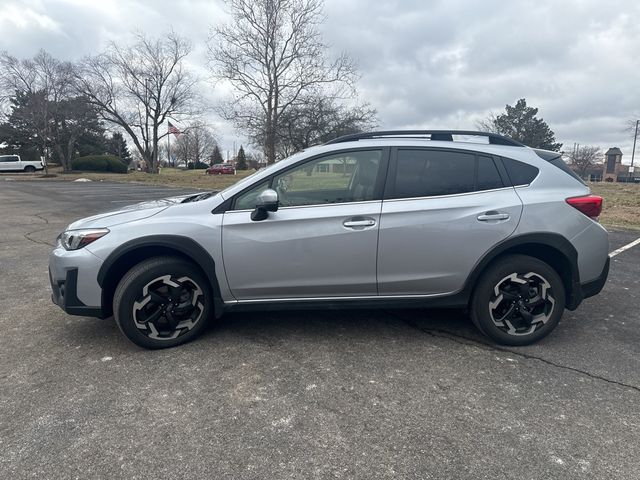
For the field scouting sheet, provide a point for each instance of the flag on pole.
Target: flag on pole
(173, 129)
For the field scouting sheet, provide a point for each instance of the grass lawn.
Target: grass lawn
(621, 200)
(167, 176)
(621, 203)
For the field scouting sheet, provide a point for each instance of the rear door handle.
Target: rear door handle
(493, 216)
(359, 222)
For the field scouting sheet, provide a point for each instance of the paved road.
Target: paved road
(321, 394)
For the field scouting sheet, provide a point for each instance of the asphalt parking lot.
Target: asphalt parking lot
(319, 394)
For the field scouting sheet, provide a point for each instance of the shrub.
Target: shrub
(197, 166)
(99, 163)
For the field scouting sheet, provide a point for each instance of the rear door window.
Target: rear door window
(488, 176)
(428, 173)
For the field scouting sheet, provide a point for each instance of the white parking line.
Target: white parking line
(626, 247)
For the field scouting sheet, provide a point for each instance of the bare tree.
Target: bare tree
(318, 120)
(140, 86)
(273, 55)
(488, 124)
(196, 143)
(45, 81)
(583, 157)
(632, 127)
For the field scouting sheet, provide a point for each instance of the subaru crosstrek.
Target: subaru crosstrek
(407, 218)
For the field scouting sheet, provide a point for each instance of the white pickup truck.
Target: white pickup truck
(13, 163)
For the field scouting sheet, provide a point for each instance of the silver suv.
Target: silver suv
(406, 218)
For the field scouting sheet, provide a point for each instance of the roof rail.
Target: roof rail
(442, 135)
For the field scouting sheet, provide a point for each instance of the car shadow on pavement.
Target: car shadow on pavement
(274, 327)
(322, 323)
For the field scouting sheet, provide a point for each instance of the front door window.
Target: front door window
(338, 178)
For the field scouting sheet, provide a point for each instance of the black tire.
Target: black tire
(30, 169)
(518, 300)
(163, 302)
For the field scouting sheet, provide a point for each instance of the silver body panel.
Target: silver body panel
(429, 245)
(88, 264)
(302, 252)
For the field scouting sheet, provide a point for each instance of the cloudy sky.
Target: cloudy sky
(423, 63)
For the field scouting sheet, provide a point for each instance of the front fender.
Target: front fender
(134, 251)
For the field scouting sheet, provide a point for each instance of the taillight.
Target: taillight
(590, 205)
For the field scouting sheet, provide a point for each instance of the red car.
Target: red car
(221, 169)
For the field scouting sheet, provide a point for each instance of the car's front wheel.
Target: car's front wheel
(518, 300)
(30, 169)
(163, 302)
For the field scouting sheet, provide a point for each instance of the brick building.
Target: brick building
(613, 168)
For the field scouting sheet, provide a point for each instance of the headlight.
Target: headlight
(76, 239)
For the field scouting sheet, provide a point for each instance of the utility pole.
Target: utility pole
(633, 152)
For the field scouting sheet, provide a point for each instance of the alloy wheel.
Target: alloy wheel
(521, 303)
(168, 307)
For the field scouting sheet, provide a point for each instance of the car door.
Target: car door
(321, 242)
(9, 163)
(443, 210)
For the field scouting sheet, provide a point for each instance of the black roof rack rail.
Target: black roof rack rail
(442, 135)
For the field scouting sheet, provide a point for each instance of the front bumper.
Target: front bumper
(74, 283)
(65, 295)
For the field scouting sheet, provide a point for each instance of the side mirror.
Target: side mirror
(266, 202)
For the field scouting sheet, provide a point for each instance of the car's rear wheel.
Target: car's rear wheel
(162, 302)
(518, 300)
(29, 169)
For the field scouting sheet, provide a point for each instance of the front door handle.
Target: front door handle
(359, 222)
(492, 215)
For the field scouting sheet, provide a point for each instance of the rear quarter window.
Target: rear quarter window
(520, 173)
(555, 159)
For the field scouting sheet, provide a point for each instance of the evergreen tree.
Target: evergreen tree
(521, 123)
(69, 122)
(25, 129)
(241, 159)
(216, 156)
(117, 146)
(91, 143)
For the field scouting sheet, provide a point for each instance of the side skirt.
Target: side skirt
(457, 300)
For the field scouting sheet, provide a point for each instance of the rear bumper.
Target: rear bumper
(588, 289)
